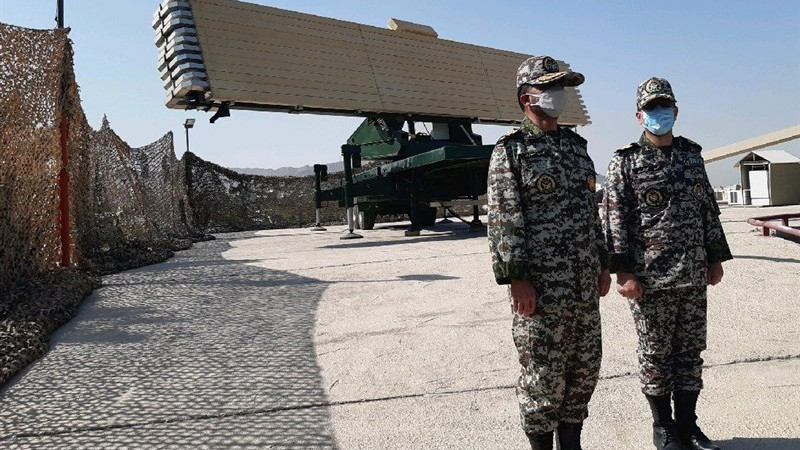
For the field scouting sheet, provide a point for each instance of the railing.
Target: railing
(766, 223)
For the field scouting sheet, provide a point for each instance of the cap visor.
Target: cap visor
(650, 98)
(563, 78)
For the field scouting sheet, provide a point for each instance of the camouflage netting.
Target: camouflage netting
(31, 75)
(127, 207)
(137, 211)
(224, 200)
(37, 92)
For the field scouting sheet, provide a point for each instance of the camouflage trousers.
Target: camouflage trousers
(559, 351)
(671, 324)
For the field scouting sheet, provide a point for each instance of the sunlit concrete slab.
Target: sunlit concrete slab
(296, 339)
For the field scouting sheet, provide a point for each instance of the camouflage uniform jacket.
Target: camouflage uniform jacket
(661, 216)
(544, 224)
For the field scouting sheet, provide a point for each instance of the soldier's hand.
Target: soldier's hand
(715, 273)
(523, 297)
(604, 282)
(628, 286)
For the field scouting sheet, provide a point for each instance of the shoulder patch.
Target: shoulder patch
(691, 144)
(509, 135)
(574, 134)
(633, 146)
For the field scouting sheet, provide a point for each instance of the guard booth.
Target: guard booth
(770, 178)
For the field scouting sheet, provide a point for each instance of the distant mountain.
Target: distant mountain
(289, 171)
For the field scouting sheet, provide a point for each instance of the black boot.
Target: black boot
(569, 436)
(541, 441)
(686, 421)
(665, 436)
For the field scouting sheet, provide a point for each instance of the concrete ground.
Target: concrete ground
(294, 339)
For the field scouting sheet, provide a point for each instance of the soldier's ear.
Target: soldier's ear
(639, 117)
(675, 111)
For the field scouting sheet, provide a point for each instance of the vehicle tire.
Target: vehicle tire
(427, 217)
(367, 219)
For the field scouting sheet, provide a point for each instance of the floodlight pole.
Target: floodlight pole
(189, 123)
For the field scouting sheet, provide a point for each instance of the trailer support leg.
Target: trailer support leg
(320, 174)
(414, 228)
(318, 226)
(347, 153)
(476, 224)
(445, 220)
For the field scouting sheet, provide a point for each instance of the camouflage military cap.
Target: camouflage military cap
(651, 89)
(539, 70)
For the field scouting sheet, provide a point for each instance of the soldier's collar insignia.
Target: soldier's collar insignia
(545, 183)
(653, 86)
(654, 197)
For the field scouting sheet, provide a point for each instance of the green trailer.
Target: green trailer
(416, 172)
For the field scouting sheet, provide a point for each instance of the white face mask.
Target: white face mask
(553, 101)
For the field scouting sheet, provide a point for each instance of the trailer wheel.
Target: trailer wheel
(427, 217)
(367, 219)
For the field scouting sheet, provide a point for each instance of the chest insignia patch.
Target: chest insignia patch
(654, 197)
(545, 184)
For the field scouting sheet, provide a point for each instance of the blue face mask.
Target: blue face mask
(658, 120)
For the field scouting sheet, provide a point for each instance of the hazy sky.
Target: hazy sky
(734, 66)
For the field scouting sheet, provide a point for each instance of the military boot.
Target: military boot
(686, 421)
(665, 434)
(541, 441)
(569, 436)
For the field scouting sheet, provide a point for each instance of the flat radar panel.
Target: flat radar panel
(262, 58)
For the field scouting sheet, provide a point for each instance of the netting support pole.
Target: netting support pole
(63, 189)
(60, 13)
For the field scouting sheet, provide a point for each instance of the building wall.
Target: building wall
(784, 184)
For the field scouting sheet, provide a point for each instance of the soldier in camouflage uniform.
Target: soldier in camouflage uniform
(546, 241)
(666, 245)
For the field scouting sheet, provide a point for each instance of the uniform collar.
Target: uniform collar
(647, 143)
(531, 128)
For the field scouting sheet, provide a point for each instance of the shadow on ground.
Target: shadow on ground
(197, 352)
(760, 444)
(767, 258)
(440, 237)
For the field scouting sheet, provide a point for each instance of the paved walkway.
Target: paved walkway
(288, 339)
